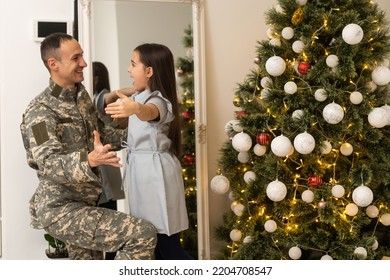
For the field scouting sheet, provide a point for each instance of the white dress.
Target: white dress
(153, 176)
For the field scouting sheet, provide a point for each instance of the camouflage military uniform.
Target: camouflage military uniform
(57, 130)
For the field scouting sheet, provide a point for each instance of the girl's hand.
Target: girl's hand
(125, 107)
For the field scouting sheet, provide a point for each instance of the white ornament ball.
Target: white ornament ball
(298, 46)
(326, 258)
(290, 87)
(333, 113)
(235, 235)
(249, 177)
(275, 42)
(233, 205)
(362, 196)
(385, 219)
(378, 117)
(264, 93)
(279, 9)
(266, 82)
(281, 146)
(291, 151)
(270, 33)
(270, 226)
(276, 191)
(338, 191)
(326, 148)
(243, 157)
(320, 95)
(301, 2)
(371, 86)
(275, 66)
(297, 114)
(308, 196)
(375, 245)
(220, 184)
(372, 211)
(242, 142)
(351, 209)
(352, 34)
(356, 97)
(360, 252)
(381, 75)
(387, 109)
(259, 150)
(229, 126)
(332, 60)
(237, 126)
(385, 62)
(238, 209)
(231, 196)
(295, 253)
(304, 143)
(287, 33)
(346, 149)
(248, 239)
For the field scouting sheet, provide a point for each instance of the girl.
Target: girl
(153, 173)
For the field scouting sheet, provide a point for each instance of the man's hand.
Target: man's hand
(101, 154)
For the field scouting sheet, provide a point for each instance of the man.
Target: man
(61, 134)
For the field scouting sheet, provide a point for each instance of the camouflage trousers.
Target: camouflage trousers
(90, 229)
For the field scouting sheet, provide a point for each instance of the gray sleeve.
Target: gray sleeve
(164, 107)
(100, 105)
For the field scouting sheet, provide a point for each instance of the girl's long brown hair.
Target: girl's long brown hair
(160, 58)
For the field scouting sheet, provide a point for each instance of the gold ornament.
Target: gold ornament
(297, 16)
(237, 101)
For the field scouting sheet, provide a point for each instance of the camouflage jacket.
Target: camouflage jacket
(57, 131)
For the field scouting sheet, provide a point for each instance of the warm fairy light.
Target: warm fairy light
(326, 22)
(293, 201)
(261, 211)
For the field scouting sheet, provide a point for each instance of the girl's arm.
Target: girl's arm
(128, 107)
(112, 96)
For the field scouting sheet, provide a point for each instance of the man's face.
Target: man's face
(68, 70)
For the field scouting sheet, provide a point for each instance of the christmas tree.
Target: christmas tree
(185, 72)
(306, 165)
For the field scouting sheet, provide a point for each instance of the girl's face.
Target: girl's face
(139, 73)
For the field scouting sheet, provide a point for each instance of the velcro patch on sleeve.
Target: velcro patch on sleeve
(40, 133)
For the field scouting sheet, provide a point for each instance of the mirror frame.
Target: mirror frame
(84, 37)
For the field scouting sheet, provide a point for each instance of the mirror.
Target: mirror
(108, 31)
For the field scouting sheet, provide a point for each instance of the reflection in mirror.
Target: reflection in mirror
(109, 30)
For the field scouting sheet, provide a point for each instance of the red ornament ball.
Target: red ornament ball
(263, 138)
(189, 159)
(315, 181)
(304, 67)
(186, 115)
(240, 114)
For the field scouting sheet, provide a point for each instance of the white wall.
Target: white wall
(22, 77)
(232, 29)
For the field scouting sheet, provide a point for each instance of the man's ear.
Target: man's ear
(52, 63)
(149, 72)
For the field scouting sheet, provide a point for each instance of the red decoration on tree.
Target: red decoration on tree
(263, 138)
(304, 67)
(180, 71)
(315, 181)
(240, 114)
(186, 115)
(189, 159)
